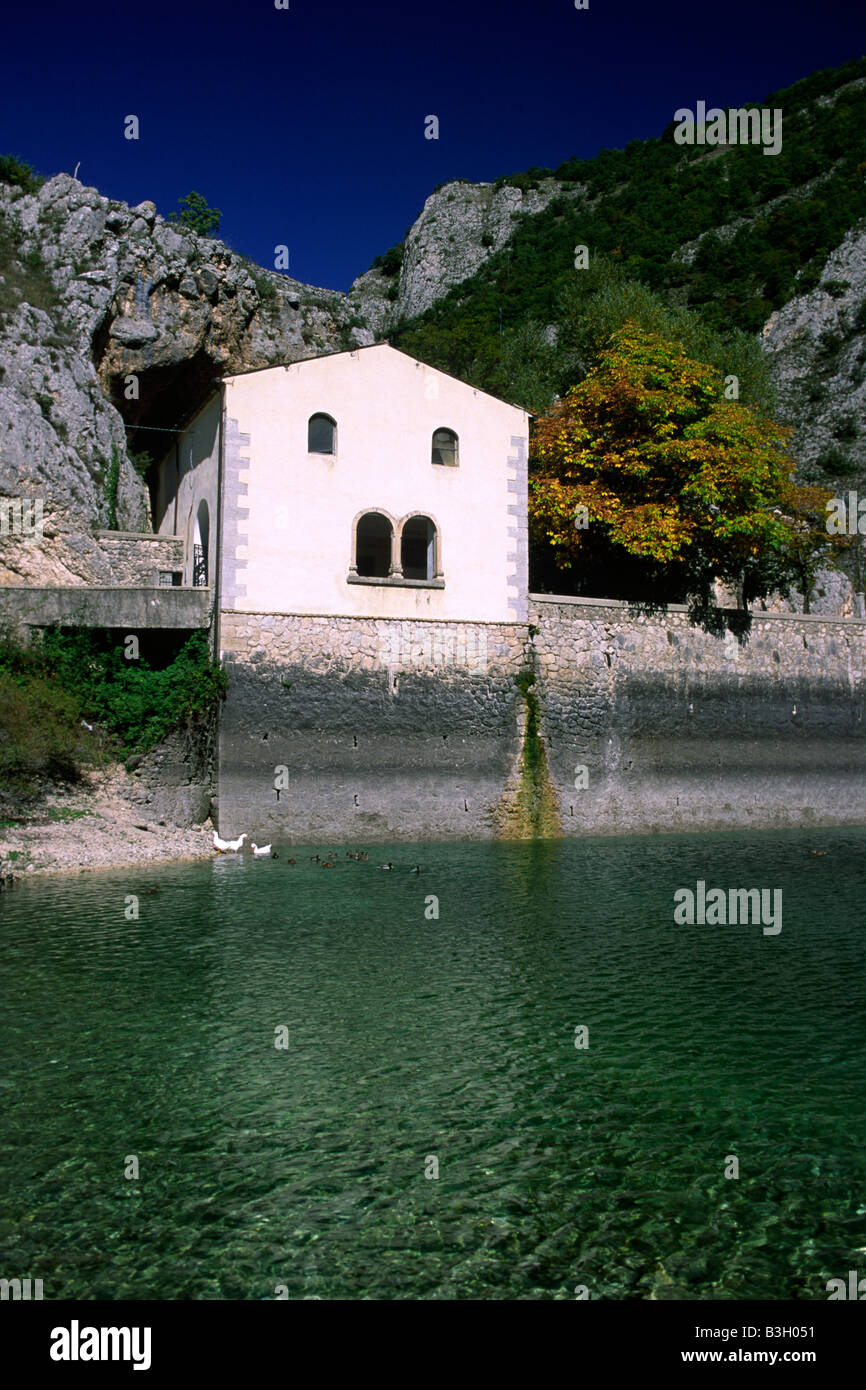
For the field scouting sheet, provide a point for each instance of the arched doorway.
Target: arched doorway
(200, 547)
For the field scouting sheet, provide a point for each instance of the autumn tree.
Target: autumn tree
(648, 481)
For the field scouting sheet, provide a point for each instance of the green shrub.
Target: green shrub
(15, 171)
(836, 463)
(392, 260)
(39, 732)
(197, 215)
(846, 430)
(67, 675)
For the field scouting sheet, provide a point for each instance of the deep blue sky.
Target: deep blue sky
(306, 126)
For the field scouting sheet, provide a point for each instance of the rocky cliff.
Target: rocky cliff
(115, 325)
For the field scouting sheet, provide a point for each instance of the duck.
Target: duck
(416, 870)
(228, 846)
(386, 866)
(314, 859)
(326, 864)
(260, 851)
(290, 861)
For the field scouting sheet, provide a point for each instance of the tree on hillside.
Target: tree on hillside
(648, 484)
(196, 215)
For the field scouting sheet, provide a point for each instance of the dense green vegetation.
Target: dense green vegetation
(765, 223)
(64, 677)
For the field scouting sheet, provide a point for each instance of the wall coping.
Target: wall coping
(105, 588)
(373, 617)
(625, 607)
(135, 536)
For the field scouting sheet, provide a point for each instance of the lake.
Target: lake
(288, 1056)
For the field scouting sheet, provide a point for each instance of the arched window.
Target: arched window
(418, 548)
(321, 435)
(373, 536)
(444, 447)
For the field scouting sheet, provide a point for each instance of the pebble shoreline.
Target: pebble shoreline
(114, 833)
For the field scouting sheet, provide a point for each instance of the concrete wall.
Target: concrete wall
(414, 730)
(289, 515)
(131, 608)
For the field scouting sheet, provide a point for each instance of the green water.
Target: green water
(454, 1038)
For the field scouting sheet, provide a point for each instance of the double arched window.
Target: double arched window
(444, 449)
(321, 435)
(396, 551)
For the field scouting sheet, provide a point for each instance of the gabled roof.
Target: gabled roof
(372, 347)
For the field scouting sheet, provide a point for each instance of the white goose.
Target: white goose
(228, 846)
(260, 851)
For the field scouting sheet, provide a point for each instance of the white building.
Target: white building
(358, 484)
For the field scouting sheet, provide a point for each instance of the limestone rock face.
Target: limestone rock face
(460, 226)
(118, 320)
(816, 344)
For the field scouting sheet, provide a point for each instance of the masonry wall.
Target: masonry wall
(678, 730)
(137, 559)
(396, 730)
(388, 730)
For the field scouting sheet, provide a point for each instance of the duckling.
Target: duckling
(314, 859)
(290, 861)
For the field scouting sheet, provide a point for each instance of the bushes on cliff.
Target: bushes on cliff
(748, 256)
(64, 677)
(20, 175)
(40, 735)
(197, 215)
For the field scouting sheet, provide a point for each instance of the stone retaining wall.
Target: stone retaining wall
(387, 730)
(342, 730)
(678, 730)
